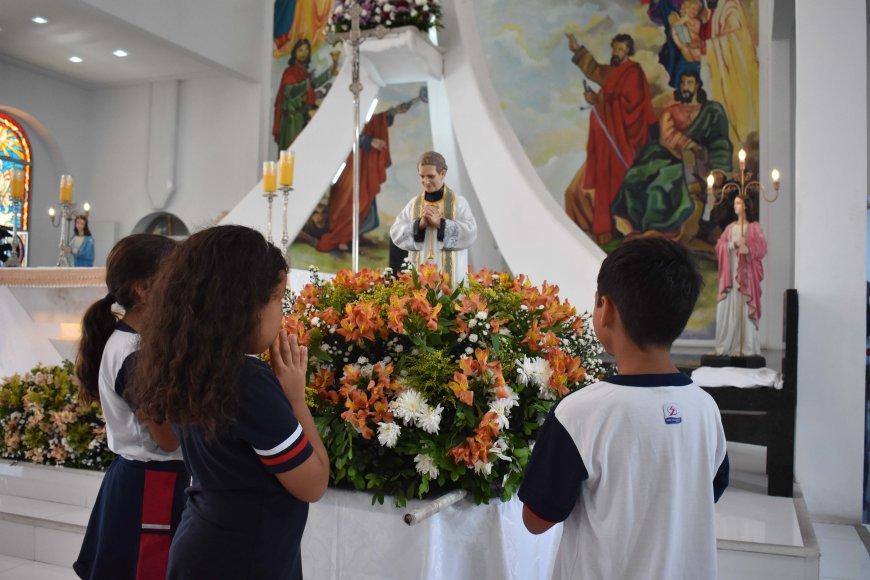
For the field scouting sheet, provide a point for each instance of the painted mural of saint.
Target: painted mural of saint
(661, 193)
(295, 99)
(621, 121)
(733, 64)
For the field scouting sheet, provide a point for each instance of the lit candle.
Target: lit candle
(66, 188)
(285, 168)
(710, 181)
(17, 187)
(269, 176)
(774, 176)
(741, 155)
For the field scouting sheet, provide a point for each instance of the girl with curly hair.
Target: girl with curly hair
(248, 437)
(142, 494)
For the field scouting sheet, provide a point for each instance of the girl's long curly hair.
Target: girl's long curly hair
(202, 311)
(133, 259)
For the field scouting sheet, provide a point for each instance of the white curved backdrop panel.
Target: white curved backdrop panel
(533, 232)
(320, 149)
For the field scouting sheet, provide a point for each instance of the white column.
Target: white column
(830, 260)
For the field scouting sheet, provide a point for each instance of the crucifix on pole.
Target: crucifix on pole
(355, 37)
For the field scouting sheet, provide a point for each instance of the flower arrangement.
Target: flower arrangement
(41, 420)
(424, 14)
(417, 388)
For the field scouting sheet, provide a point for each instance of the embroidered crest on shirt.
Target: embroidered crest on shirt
(672, 413)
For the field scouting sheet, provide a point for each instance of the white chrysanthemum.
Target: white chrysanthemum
(546, 393)
(482, 314)
(482, 467)
(472, 337)
(534, 371)
(408, 405)
(501, 414)
(430, 419)
(426, 465)
(499, 448)
(388, 434)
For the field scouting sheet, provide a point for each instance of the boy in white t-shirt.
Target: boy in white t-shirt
(633, 464)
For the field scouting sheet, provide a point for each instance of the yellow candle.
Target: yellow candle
(17, 186)
(66, 188)
(285, 167)
(269, 176)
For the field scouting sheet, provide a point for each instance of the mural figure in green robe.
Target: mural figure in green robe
(663, 191)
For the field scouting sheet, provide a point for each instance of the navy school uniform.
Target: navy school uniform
(141, 498)
(240, 522)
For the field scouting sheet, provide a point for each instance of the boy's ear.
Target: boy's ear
(607, 310)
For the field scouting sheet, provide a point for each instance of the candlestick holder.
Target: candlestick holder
(285, 238)
(15, 254)
(270, 197)
(67, 213)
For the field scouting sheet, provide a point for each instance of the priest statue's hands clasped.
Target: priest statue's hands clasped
(436, 226)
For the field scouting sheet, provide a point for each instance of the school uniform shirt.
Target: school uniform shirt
(632, 465)
(240, 522)
(127, 436)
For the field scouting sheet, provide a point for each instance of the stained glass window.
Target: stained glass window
(14, 152)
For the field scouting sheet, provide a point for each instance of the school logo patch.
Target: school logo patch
(672, 413)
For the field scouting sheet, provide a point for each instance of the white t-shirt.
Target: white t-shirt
(127, 436)
(632, 465)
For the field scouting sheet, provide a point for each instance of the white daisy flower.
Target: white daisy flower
(425, 465)
(430, 419)
(482, 467)
(388, 434)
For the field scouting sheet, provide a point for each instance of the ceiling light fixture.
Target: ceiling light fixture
(39, 20)
(120, 53)
(75, 59)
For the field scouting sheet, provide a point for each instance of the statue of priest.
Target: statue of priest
(436, 226)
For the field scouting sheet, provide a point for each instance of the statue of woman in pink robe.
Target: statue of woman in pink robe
(740, 249)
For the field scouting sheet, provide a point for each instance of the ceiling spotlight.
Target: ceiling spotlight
(75, 59)
(39, 20)
(120, 53)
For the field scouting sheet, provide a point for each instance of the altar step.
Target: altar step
(44, 513)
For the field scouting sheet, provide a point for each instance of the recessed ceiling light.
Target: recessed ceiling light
(39, 20)
(120, 53)
(75, 59)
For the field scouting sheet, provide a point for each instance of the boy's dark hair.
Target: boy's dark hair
(202, 310)
(132, 259)
(654, 283)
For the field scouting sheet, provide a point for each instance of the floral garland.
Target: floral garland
(417, 388)
(41, 421)
(424, 14)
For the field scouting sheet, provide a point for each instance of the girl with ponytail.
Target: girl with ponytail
(142, 494)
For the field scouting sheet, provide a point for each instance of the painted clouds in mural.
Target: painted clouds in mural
(625, 107)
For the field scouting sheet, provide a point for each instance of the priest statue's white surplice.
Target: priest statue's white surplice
(436, 226)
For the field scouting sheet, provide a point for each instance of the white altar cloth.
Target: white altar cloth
(347, 538)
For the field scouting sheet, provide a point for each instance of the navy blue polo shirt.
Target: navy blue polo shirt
(240, 522)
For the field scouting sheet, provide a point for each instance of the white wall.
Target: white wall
(830, 260)
(228, 33)
(102, 137)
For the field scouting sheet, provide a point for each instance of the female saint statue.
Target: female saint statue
(740, 249)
